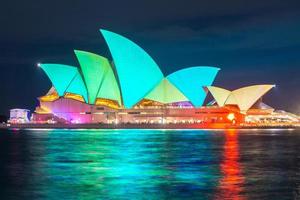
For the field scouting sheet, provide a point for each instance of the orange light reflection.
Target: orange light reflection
(231, 185)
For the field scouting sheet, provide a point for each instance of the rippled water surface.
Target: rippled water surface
(150, 164)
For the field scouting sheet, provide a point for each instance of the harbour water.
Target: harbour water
(150, 164)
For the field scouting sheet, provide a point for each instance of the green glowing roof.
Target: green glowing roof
(109, 88)
(99, 77)
(77, 87)
(165, 92)
(137, 71)
(190, 81)
(138, 76)
(93, 68)
(60, 76)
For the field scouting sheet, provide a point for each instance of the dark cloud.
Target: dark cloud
(252, 41)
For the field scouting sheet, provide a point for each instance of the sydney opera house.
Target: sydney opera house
(131, 89)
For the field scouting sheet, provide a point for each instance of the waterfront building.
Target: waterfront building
(132, 89)
(19, 116)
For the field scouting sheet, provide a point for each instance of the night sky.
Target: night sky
(253, 42)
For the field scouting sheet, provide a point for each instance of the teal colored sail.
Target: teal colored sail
(137, 72)
(109, 88)
(60, 76)
(77, 87)
(94, 68)
(190, 82)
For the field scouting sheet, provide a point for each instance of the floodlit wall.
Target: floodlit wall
(74, 111)
(68, 109)
(19, 116)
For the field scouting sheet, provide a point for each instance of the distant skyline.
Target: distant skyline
(252, 42)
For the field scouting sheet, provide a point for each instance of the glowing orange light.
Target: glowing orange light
(107, 102)
(74, 97)
(42, 110)
(231, 116)
(49, 98)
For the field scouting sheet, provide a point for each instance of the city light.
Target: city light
(231, 116)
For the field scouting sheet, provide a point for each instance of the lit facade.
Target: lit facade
(132, 89)
(19, 116)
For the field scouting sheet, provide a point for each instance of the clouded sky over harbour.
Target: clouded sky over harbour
(253, 42)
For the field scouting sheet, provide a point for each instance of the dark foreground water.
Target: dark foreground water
(136, 164)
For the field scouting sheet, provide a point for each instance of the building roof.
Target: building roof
(138, 73)
(165, 92)
(65, 78)
(136, 76)
(60, 75)
(190, 81)
(94, 68)
(244, 97)
(77, 86)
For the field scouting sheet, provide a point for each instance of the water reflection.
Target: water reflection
(131, 165)
(231, 185)
(135, 164)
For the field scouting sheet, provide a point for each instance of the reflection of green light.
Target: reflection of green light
(137, 71)
(131, 164)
